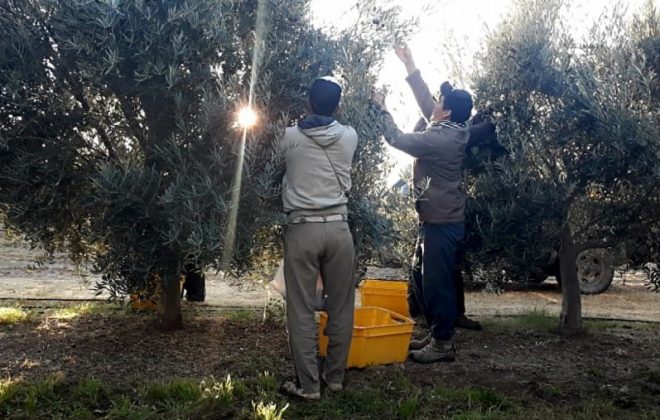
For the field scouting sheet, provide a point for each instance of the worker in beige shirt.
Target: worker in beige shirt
(318, 156)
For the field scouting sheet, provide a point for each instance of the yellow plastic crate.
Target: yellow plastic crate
(380, 337)
(392, 295)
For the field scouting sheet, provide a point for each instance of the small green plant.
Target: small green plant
(486, 399)
(222, 392)
(408, 408)
(174, 390)
(553, 390)
(42, 393)
(124, 408)
(268, 411)
(89, 392)
(471, 400)
(267, 382)
(8, 389)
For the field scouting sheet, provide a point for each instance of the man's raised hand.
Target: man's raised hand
(378, 99)
(405, 55)
(403, 52)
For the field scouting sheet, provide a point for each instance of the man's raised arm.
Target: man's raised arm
(419, 87)
(415, 144)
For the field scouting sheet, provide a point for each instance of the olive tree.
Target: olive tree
(580, 126)
(118, 141)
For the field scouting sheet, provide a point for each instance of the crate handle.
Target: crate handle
(398, 318)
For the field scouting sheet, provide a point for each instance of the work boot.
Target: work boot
(435, 351)
(332, 386)
(295, 391)
(466, 323)
(420, 343)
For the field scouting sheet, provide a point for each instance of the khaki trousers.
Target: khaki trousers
(310, 249)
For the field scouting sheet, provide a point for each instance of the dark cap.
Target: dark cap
(458, 101)
(324, 95)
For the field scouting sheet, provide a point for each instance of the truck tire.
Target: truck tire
(595, 269)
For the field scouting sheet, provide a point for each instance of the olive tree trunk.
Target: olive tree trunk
(571, 306)
(171, 318)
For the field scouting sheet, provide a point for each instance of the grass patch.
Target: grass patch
(536, 320)
(408, 408)
(40, 395)
(12, 315)
(123, 407)
(242, 314)
(78, 310)
(601, 324)
(472, 400)
(8, 391)
(541, 320)
(91, 392)
(177, 390)
(257, 370)
(259, 399)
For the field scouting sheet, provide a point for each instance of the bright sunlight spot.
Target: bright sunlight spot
(71, 312)
(10, 316)
(247, 117)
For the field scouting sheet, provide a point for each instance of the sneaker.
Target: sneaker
(295, 391)
(420, 343)
(332, 386)
(466, 323)
(435, 351)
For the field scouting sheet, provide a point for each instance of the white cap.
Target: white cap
(331, 80)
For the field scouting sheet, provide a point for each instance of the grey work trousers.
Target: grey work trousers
(310, 249)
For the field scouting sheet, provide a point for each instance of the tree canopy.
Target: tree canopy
(579, 120)
(118, 141)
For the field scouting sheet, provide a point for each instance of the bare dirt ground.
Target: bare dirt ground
(520, 357)
(619, 363)
(626, 299)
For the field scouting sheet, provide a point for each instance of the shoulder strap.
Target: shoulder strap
(332, 165)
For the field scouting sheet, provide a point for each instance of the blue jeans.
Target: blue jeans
(435, 289)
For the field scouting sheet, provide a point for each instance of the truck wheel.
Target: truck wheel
(595, 269)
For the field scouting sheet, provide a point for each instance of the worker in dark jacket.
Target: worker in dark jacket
(439, 152)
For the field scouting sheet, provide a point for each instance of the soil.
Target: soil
(620, 362)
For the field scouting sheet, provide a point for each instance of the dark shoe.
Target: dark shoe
(293, 390)
(467, 323)
(435, 351)
(419, 343)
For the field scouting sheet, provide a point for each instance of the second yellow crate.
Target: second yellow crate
(392, 295)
